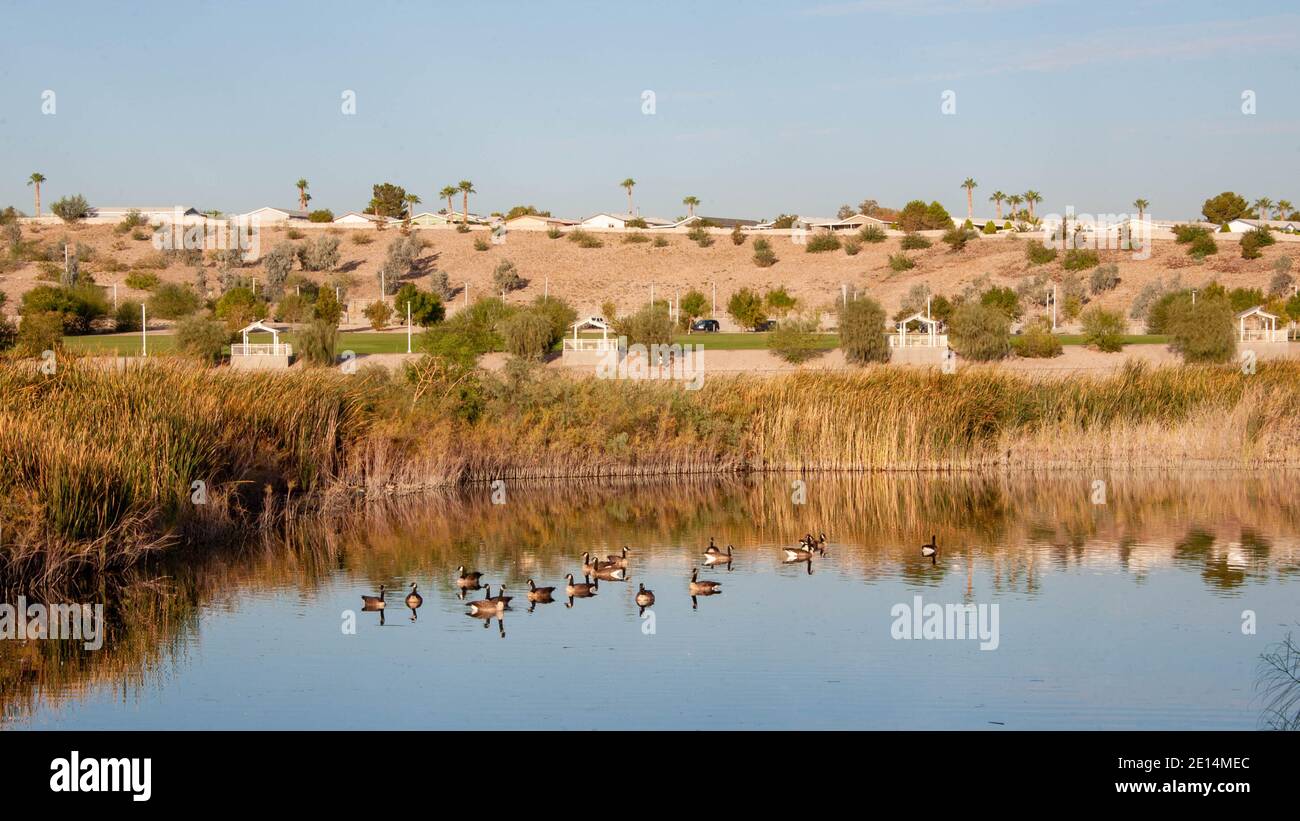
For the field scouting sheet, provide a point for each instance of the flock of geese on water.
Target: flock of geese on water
(594, 570)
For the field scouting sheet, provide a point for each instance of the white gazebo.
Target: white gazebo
(1257, 325)
(577, 343)
(276, 348)
(918, 331)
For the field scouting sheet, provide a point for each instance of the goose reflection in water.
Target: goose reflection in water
(539, 595)
(579, 590)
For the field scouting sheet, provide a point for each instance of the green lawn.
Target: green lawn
(1129, 339)
(733, 341)
(129, 344)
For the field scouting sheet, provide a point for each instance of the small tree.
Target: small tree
(328, 308)
(764, 256)
(71, 209)
(39, 332)
(746, 307)
(1103, 329)
(862, 331)
(1204, 331)
(1038, 341)
(315, 343)
(694, 305)
(239, 307)
(441, 285)
(779, 302)
(980, 332)
(202, 337)
(528, 334)
(795, 340)
(1103, 278)
(426, 308)
(320, 254)
(378, 313)
(506, 277)
(650, 325)
(172, 300)
(737, 236)
(278, 262)
(1282, 280)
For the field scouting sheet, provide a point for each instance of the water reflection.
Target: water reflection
(1038, 543)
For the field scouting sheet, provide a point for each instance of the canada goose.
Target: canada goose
(645, 598)
(539, 594)
(414, 600)
(488, 604)
(469, 581)
(712, 555)
(703, 587)
(590, 564)
(930, 550)
(798, 554)
(501, 597)
(610, 574)
(373, 602)
(618, 559)
(581, 590)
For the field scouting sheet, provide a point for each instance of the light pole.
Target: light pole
(144, 331)
(408, 326)
(713, 306)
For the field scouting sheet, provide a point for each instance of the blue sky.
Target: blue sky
(761, 107)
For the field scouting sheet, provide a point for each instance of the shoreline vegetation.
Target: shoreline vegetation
(102, 465)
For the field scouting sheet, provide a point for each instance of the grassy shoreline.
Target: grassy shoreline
(100, 464)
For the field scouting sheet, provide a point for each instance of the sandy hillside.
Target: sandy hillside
(623, 272)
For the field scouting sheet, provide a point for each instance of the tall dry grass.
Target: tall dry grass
(98, 463)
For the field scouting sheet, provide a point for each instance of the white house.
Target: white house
(428, 218)
(186, 214)
(358, 219)
(275, 216)
(1241, 226)
(537, 222)
(854, 223)
(619, 221)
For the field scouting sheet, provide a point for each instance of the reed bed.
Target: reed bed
(99, 464)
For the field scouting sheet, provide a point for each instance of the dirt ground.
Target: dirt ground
(624, 273)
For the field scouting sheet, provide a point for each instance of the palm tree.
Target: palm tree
(36, 179)
(411, 201)
(1141, 205)
(1263, 205)
(466, 188)
(1015, 200)
(691, 202)
(997, 197)
(969, 185)
(1284, 209)
(447, 193)
(303, 196)
(1032, 197)
(629, 184)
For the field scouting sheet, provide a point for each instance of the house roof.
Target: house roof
(288, 212)
(628, 217)
(721, 222)
(260, 325)
(918, 317)
(597, 322)
(556, 220)
(1258, 310)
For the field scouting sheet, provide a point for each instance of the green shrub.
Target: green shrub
(852, 246)
(651, 325)
(481, 244)
(980, 332)
(294, 233)
(360, 238)
(990, 228)
(505, 277)
(634, 237)
(862, 331)
(1039, 254)
(956, 238)
(795, 340)
(1004, 299)
(1254, 240)
(319, 254)
(1282, 280)
(1185, 234)
(747, 308)
(327, 307)
(1202, 247)
(40, 331)
(202, 337)
(1037, 341)
(315, 343)
(917, 216)
(822, 242)
(293, 308)
(584, 239)
(913, 242)
(127, 316)
(779, 302)
(764, 256)
(71, 209)
(554, 233)
(425, 307)
(872, 234)
(1202, 332)
(321, 215)
(660, 242)
(1103, 278)
(379, 313)
(239, 307)
(172, 300)
(77, 306)
(1079, 259)
(700, 236)
(1103, 329)
(901, 262)
(527, 334)
(737, 236)
(142, 280)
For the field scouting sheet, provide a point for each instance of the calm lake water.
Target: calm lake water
(1127, 614)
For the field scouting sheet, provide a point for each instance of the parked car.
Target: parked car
(765, 325)
(708, 326)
